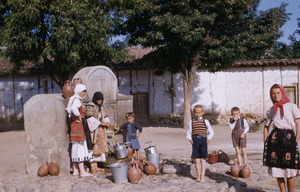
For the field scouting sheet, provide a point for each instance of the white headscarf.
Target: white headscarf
(78, 89)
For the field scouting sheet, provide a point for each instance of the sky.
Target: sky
(291, 25)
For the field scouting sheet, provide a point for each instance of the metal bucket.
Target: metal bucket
(120, 151)
(154, 158)
(119, 171)
(150, 150)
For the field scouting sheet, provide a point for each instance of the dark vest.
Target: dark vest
(198, 127)
(240, 123)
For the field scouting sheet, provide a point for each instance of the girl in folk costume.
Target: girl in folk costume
(76, 110)
(98, 121)
(281, 154)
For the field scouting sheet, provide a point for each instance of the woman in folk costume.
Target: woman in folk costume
(76, 110)
(281, 154)
(98, 121)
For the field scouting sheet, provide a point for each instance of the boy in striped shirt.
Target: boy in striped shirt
(199, 134)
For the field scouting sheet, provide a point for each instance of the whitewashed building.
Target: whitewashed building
(245, 84)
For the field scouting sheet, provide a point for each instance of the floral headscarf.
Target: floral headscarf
(284, 99)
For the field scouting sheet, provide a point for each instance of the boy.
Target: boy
(239, 127)
(199, 134)
(132, 136)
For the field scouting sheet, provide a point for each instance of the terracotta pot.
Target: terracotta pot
(150, 168)
(54, 168)
(130, 152)
(43, 170)
(245, 172)
(67, 89)
(235, 170)
(223, 157)
(134, 172)
(212, 158)
(76, 81)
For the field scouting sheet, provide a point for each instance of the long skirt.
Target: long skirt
(281, 153)
(80, 152)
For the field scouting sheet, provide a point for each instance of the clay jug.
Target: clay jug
(67, 89)
(235, 170)
(150, 168)
(76, 81)
(43, 170)
(245, 172)
(130, 152)
(134, 172)
(54, 168)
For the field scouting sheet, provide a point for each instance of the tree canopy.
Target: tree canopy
(199, 34)
(61, 36)
(282, 50)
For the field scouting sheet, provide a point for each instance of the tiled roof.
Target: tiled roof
(267, 62)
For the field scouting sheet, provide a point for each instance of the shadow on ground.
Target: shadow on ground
(5, 127)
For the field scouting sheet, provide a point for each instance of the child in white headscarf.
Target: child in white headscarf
(76, 110)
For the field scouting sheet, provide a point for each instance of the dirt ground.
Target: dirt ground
(168, 141)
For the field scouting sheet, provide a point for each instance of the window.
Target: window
(291, 93)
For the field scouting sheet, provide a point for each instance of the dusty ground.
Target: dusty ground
(168, 141)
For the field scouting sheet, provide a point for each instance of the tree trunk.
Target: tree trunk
(188, 84)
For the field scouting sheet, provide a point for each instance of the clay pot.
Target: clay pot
(54, 168)
(43, 170)
(134, 172)
(150, 168)
(235, 170)
(245, 172)
(76, 81)
(67, 89)
(213, 158)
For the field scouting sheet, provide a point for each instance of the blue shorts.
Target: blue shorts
(199, 147)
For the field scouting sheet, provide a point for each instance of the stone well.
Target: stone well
(45, 118)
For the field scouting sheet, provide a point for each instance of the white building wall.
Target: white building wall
(161, 102)
(140, 81)
(14, 92)
(248, 88)
(124, 82)
(179, 94)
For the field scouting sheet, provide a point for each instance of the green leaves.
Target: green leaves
(219, 31)
(65, 35)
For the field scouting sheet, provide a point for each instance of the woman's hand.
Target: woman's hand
(106, 124)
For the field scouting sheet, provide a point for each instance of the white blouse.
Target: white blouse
(291, 113)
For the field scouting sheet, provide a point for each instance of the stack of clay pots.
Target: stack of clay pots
(45, 169)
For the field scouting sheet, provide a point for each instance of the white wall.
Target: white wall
(248, 88)
(245, 87)
(14, 92)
